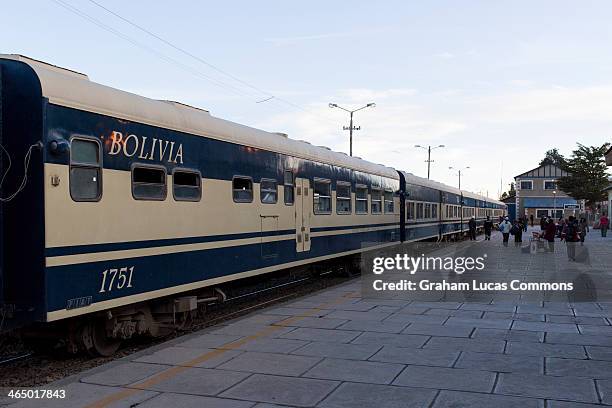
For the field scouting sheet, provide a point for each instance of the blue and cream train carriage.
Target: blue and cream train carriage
(117, 209)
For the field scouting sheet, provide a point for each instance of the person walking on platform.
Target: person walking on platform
(583, 228)
(505, 227)
(488, 226)
(517, 231)
(524, 222)
(570, 234)
(543, 223)
(604, 223)
(531, 219)
(549, 234)
(472, 228)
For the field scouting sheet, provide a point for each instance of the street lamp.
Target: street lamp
(459, 173)
(429, 149)
(554, 204)
(350, 128)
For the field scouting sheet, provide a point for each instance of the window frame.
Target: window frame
(549, 189)
(385, 201)
(80, 165)
(261, 191)
(349, 198)
(149, 166)
(324, 181)
(200, 188)
(381, 200)
(526, 181)
(250, 179)
(286, 186)
(366, 199)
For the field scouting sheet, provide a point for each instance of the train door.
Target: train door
(303, 209)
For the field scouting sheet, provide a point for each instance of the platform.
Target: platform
(336, 349)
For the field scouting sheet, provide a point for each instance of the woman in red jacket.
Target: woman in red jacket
(549, 234)
(604, 223)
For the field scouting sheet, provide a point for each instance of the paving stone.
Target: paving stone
(295, 311)
(198, 381)
(489, 307)
(271, 345)
(438, 330)
(316, 322)
(478, 345)
(386, 302)
(391, 339)
(580, 339)
(354, 395)
(460, 399)
(182, 356)
(413, 318)
(605, 391)
(206, 341)
(82, 395)
(417, 310)
(595, 330)
(438, 305)
(446, 378)
(168, 399)
(338, 350)
(123, 374)
(597, 321)
(510, 335)
(300, 392)
(311, 334)
(262, 330)
(266, 405)
(261, 318)
(579, 368)
(559, 311)
(441, 358)
(546, 350)
(370, 372)
(471, 314)
(501, 363)
(545, 386)
(528, 317)
(566, 404)
(599, 353)
(482, 323)
(353, 315)
(386, 309)
(545, 327)
(374, 326)
(270, 363)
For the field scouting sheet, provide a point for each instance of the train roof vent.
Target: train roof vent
(325, 147)
(184, 105)
(356, 157)
(304, 141)
(281, 134)
(51, 67)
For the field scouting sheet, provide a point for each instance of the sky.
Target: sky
(497, 83)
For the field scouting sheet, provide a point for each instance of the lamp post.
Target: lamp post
(554, 204)
(429, 149)
(461, 212)
(350, 128)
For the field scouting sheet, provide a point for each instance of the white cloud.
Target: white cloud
(444, 55)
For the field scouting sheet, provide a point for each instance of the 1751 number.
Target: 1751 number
(116, 279)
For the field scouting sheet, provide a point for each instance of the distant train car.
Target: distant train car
(120, 214)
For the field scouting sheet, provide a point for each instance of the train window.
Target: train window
(376, 197)
(427, 210)
(389, 207)
(186, 185)
(343, 198)
(434, 211)
(149, 182)
(410, 210)
(322, 196)
(85, 170)
(419, 210)
(268, 191)
(361, 199)
(242, 189)
(289, 188)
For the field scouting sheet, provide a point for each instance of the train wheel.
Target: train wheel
(95, 340)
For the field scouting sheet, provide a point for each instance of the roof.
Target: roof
(544, 171)
(74, 90)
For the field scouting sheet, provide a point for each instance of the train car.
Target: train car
(133, 208)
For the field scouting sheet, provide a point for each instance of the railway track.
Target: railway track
(30, 369)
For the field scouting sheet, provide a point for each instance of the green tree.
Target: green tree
(553, 156)
(587, 174)
(509, 193)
